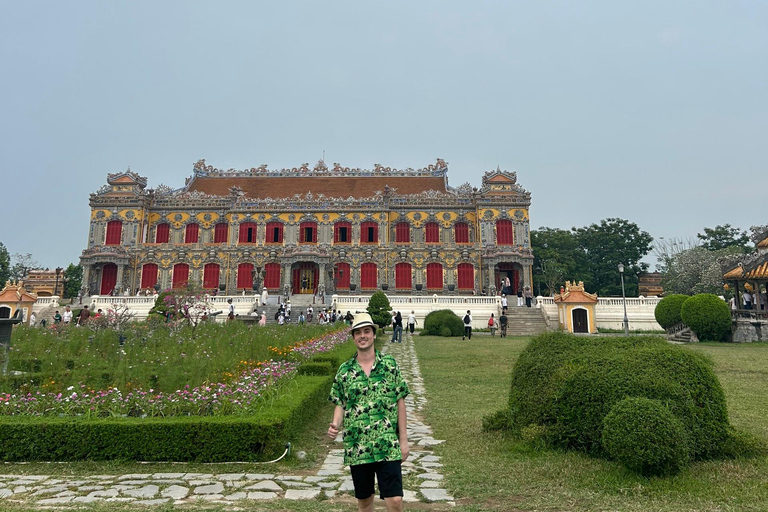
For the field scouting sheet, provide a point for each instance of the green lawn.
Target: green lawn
(492, 471)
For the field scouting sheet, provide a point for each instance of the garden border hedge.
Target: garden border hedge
(252, 438)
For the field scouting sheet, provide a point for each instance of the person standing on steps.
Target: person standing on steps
(467, 326)
(369, 393)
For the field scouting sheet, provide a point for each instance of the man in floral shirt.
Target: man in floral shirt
(369, 394)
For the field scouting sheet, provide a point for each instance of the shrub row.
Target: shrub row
(706, 314)
(200, 439)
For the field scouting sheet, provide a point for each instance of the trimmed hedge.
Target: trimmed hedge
(667, 311)
(443, 322)
(200, 439)
(646, 437)
(568, 385)
(708, 316)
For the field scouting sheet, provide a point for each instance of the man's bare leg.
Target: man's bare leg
(366, 504)
(394, 504)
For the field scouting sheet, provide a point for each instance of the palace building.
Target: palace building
(310, 230)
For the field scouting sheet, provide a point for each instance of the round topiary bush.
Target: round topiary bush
(569, 384)
(709, 317)
(646, 437)
(667, 311)
(436, 323)
(379, 308)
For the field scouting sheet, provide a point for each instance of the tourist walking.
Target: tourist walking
(231, 313)
(528, 296)
(67, 316)
(397, 328)
(369, 393)
(503, 321)
(412, 321)
(519, 297)
(503, 303)
(467, 326)
(57, 317)
(492, 325)
(84, 315)
(263, 319)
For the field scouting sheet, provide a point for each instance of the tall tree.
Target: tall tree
(5, 265)
(22, 264)
(603, 246)
(73, 280)
(696, 270)
(556, 257)
(721, 237)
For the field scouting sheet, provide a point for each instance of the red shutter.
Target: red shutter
(272, 277)
(504, 232)
(244, 276)
(211, 276)
(402, 232)
(221, 233)
(466, 276)
(342, 275)
(274, 233)
(108, 278)
(149, 275)
(432, 233)
(180, 275)
(461, 233)
(369, 233)
(114, 232)
(247, 234)
(434, 276)
(368, 276)
(403, 276)
(162, 233)
(191, 234)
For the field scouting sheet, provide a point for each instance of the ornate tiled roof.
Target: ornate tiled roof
(575, 293)
(763, 244)
(755, 269)
(16, 293)
(342, 182)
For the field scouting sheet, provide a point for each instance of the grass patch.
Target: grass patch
(494, 471)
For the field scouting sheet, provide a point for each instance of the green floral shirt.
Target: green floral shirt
(370, 409)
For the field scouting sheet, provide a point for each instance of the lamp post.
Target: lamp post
(624, 299)
(56, 286)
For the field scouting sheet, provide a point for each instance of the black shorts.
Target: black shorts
(388, 473)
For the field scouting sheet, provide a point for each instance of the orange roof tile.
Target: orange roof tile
(280, 187)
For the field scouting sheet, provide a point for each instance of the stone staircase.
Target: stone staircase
(525, 321)
(681, 333)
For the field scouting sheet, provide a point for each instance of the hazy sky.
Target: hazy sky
(648, 111)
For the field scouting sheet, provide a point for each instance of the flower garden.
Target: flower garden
(79, 379)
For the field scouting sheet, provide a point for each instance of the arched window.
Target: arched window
(114, 232)
(466, 276)
(341, 274)
(461, 232)
(432, 233)
(211, 276)
(244, 276)
(308, 233)
(180, 275)
(342, 233)
(403, 276)
(272, 275)
(504, 232)
(247, 234)
(274, 233)
(369, 278)
(402, 232)
(221, 233)
(149, 275)
(162, 233)
(434, 276)
(369, 232)
(191, 233)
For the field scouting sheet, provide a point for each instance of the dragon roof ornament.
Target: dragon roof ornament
(438, 169)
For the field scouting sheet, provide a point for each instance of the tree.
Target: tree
(5, 265)
(603, 246)
(379, 308)
(721, 237)
(73, 280)
(22, 264)
(696, 270)
(556, 257)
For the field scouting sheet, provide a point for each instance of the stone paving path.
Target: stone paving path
(421, 472)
